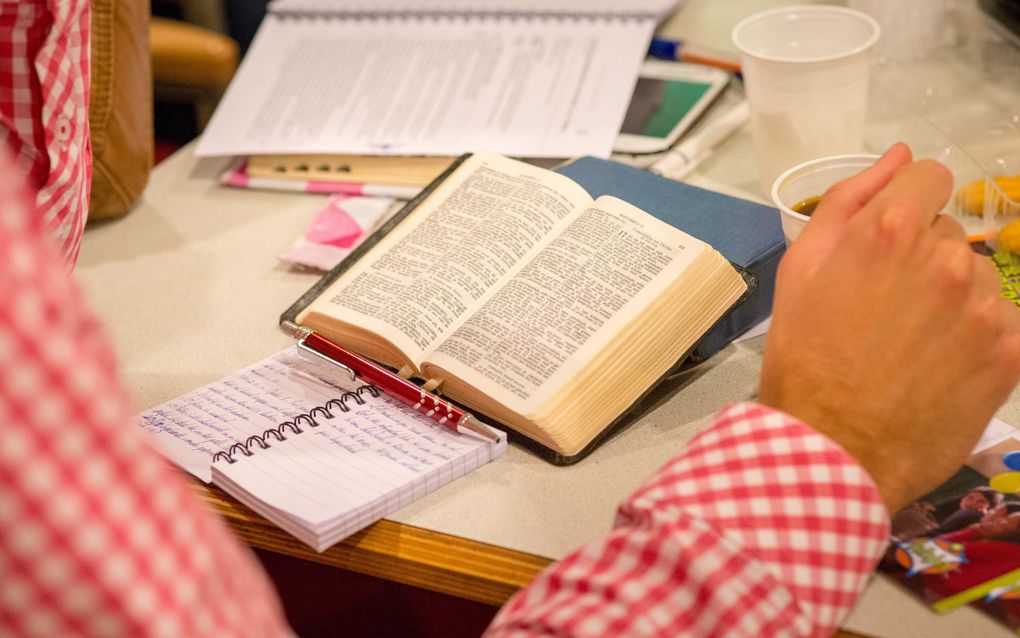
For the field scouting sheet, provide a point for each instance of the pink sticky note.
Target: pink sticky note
(334, 226)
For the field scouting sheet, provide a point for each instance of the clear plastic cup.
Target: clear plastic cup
(806, 77)
(810, 180)
(911, 29)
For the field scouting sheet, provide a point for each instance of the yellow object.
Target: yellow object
(970, 197)
(1009, 237)
(1007, 483)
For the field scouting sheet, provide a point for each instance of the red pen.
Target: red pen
(445, 413)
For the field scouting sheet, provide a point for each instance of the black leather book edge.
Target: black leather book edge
(313, 293)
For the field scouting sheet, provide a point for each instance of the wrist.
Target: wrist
(858, 443)
(888, 475)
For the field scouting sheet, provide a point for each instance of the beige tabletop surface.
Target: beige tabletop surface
(191, 290)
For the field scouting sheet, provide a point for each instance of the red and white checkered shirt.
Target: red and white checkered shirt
(761, 527)
(44, 90)
(98, 537)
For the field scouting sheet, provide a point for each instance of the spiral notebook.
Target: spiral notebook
(317, 454)
(435, 77)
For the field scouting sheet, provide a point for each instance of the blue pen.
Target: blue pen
(667, 49)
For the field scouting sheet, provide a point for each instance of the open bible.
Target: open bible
(507, 289)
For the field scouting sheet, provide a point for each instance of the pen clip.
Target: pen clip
(307, 348)
(301, 333)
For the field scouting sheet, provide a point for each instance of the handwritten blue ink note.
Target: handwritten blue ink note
(319, 455)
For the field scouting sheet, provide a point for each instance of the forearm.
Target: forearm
(97, 535)
(760, 525)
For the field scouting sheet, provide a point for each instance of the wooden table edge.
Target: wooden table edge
(394, 551)
(401, 553)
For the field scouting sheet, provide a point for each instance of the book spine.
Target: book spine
(309, 419)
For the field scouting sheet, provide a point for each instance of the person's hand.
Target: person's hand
(889, 334)
(997, 526)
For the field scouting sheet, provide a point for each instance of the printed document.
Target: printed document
(433, 85)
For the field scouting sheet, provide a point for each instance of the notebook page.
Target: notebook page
(353, 469)
(190, 429)
(523, 7)
(427, 484)
(329, 532)
(431, 86)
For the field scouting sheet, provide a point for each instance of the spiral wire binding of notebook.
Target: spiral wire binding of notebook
(310, 419)
(318, 454)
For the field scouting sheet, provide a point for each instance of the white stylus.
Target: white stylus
(682, 159)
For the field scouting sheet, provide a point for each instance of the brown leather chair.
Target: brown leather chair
(191, 64)
(132, 58)
(120, 108)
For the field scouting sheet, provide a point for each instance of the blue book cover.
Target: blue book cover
(747, 233)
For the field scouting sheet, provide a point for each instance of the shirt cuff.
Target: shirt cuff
(786, 494)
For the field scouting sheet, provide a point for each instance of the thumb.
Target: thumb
(842, 201)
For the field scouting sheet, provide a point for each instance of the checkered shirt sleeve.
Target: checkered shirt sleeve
(760, 527)
(98, 537)
(44, 90)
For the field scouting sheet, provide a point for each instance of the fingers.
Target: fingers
(957, 260)
(914, 196)
(945, 227)
(895, 201)
(840, 203)
(986, 278)
(844, 199)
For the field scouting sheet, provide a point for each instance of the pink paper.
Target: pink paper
(334, 226)
(337, 229)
